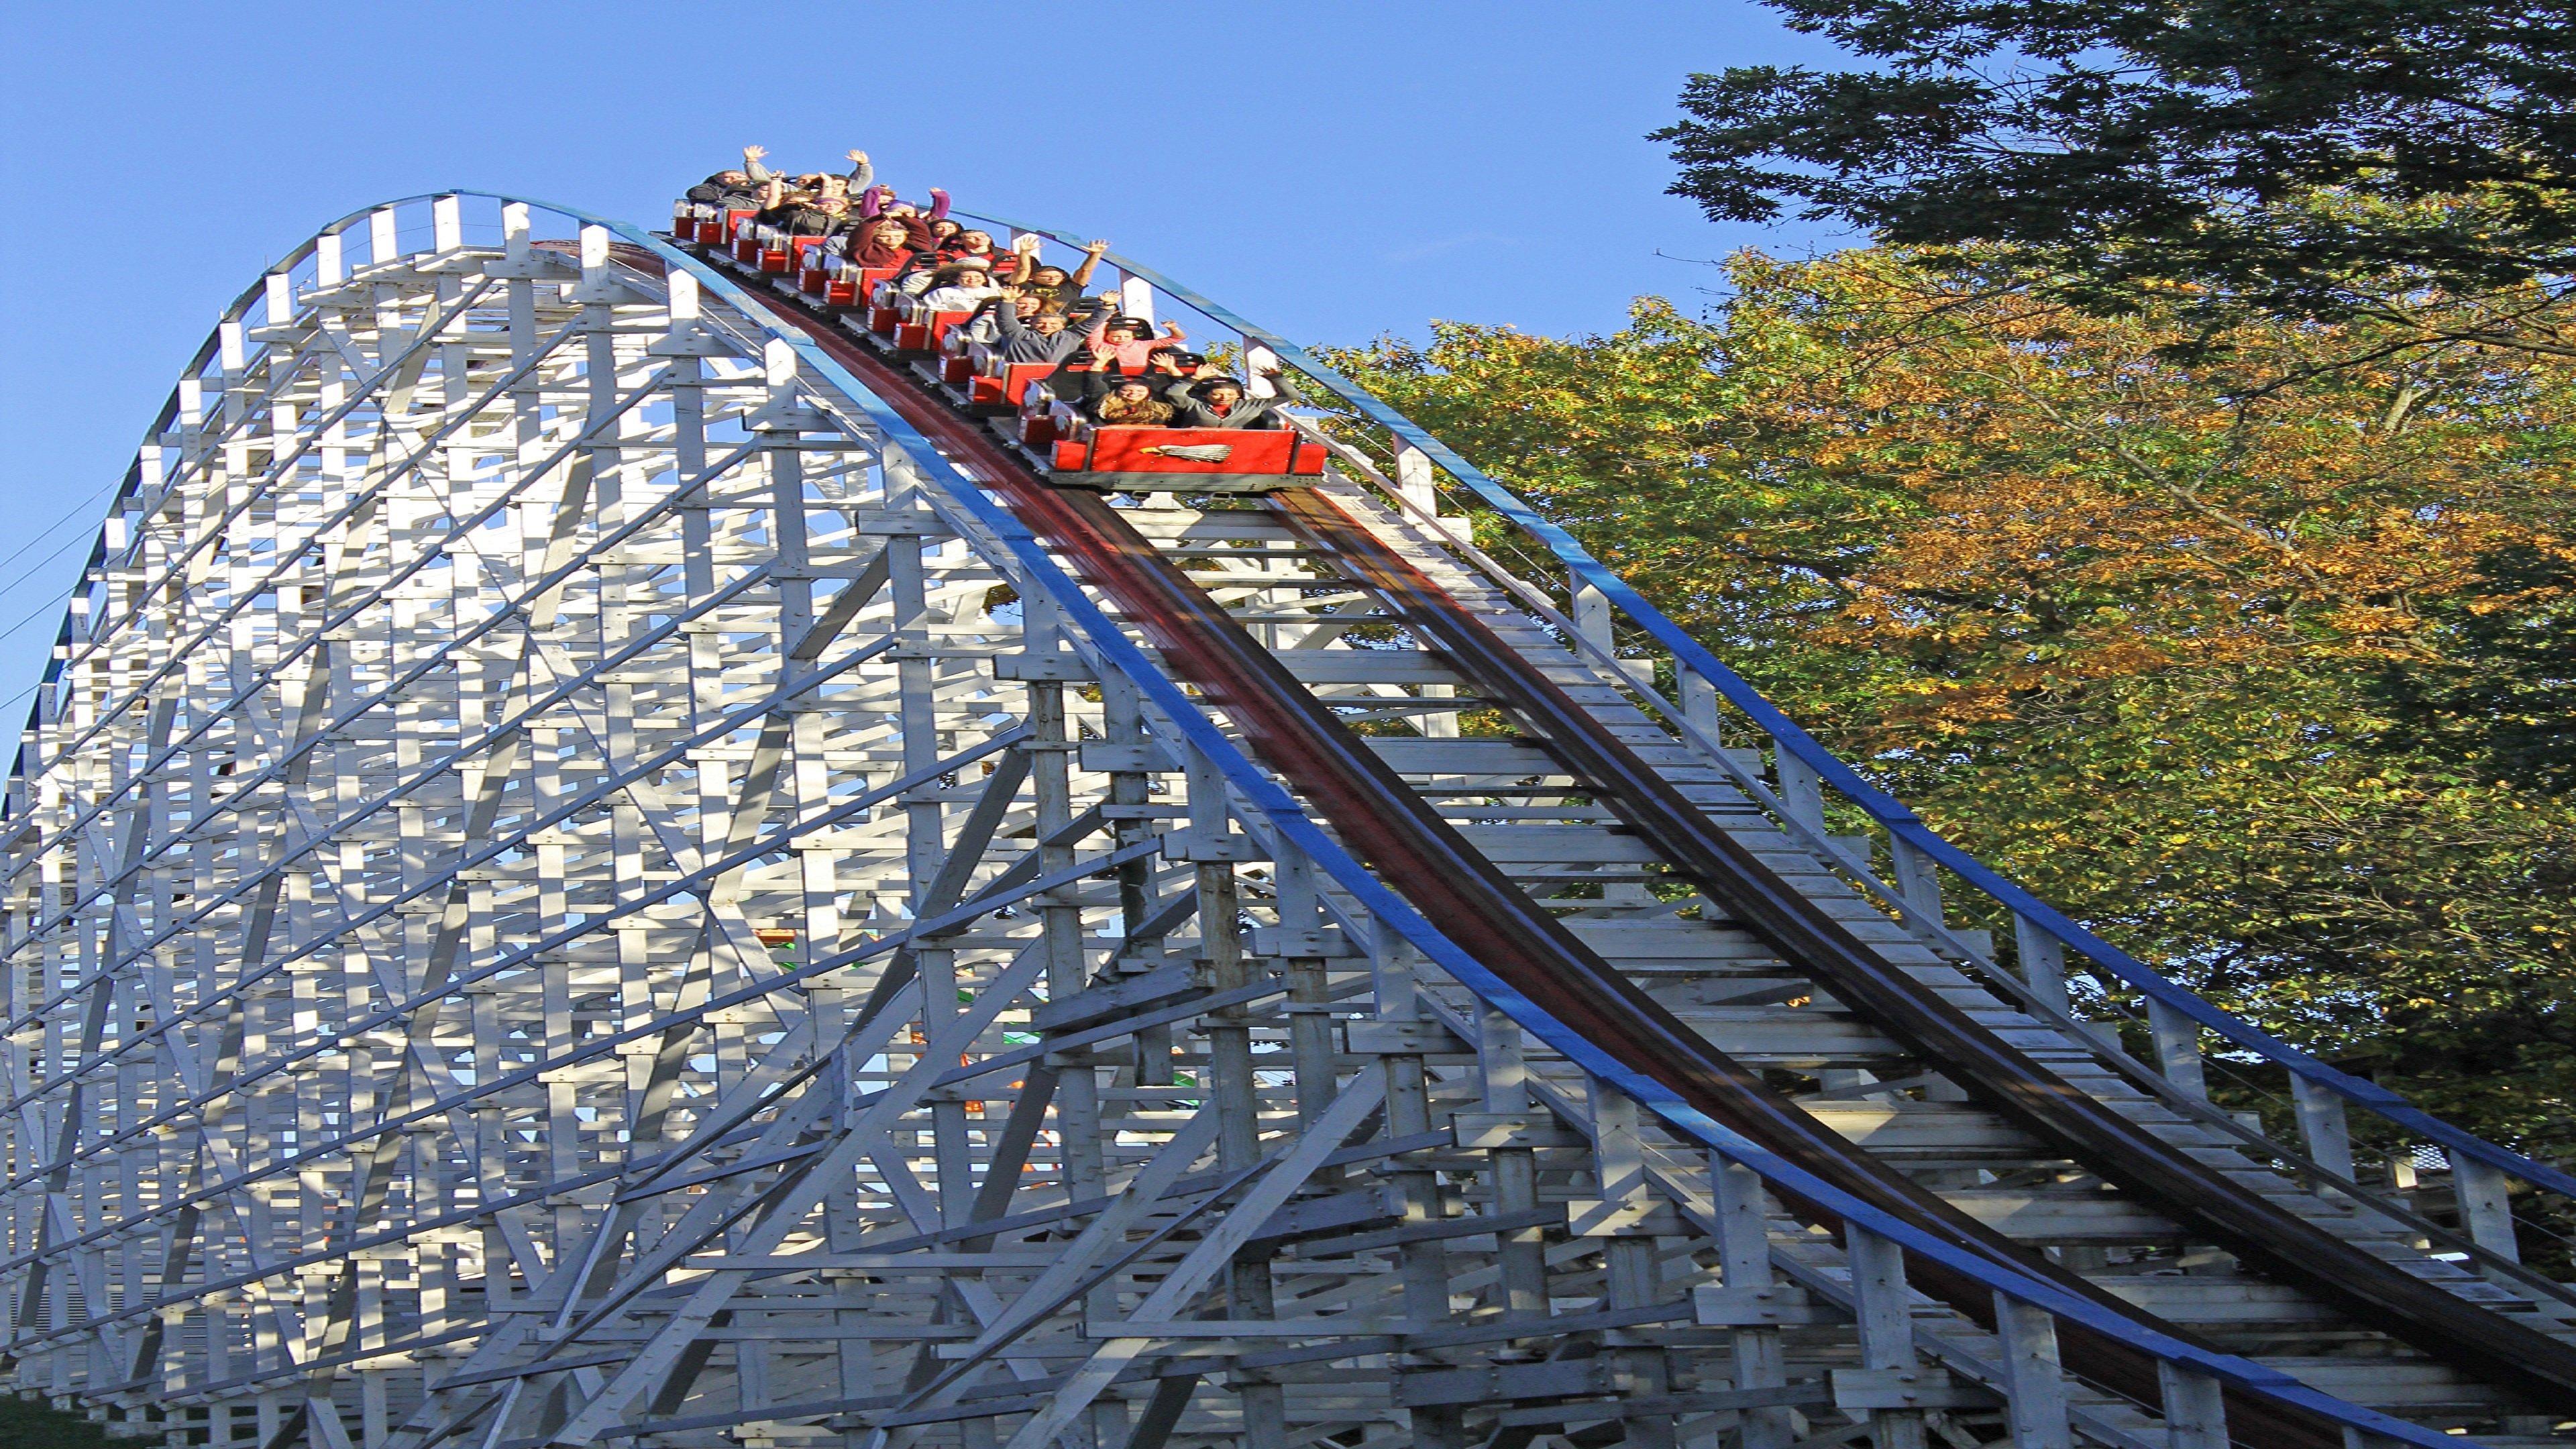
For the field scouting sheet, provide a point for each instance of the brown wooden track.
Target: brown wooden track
(1468, 899)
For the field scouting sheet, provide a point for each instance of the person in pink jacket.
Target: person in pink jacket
(1128, 340)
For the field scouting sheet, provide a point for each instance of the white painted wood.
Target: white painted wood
(476, 719)
(2195, 1408)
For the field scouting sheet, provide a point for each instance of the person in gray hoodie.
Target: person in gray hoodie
(1222, 402)
(1042, 334)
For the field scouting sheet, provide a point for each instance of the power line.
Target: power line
(77, 511)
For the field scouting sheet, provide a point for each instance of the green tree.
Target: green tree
(30, 1424)
(2312, 159)
(2121, 627)
(2504, 695)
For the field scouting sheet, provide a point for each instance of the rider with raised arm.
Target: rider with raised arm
(889, 241)
(1223, 402)
(1025, 327)
(1064, 289)
(1130, 340)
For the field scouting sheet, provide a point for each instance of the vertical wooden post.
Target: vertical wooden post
(1505, 1075)
(1802, 791)
(2043, 963)
(1413, 477)
(1917, 878)
(2486, 1205)
(1136, 298)
(1744, 1248)
(2034, 1379)
(2177, 1039)
(1880, 1302)
(1699, 701)
(1628, 1258)
(2323, 1130)
(2195, 1408)
(1591, 613)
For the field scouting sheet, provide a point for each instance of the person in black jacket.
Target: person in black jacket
(799, 213)
(1060, 286)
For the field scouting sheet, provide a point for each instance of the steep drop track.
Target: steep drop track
(1470, 900)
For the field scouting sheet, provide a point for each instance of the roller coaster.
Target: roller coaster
(629, 840)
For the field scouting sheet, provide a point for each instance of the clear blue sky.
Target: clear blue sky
(1335, 170)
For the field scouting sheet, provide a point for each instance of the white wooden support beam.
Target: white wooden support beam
(2034, 1378)
(1136, 298)
(1414, 479)
(2177, 1043)
(2043, 963)
(1747, 1283)
(2485, 1201)
(2323, 1130)
(1801, 789)
(2195, 1407)
(1917, 878)
(1890, 1375)
(1592, 616)
(1699, 701)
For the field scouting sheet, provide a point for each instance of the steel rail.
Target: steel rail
(1514, 951)
(1993, 1071)
(1931, 930)
(1892, 814)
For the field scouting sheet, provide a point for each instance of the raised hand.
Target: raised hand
(855, 157)
(754, 153)
(1095, 246)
